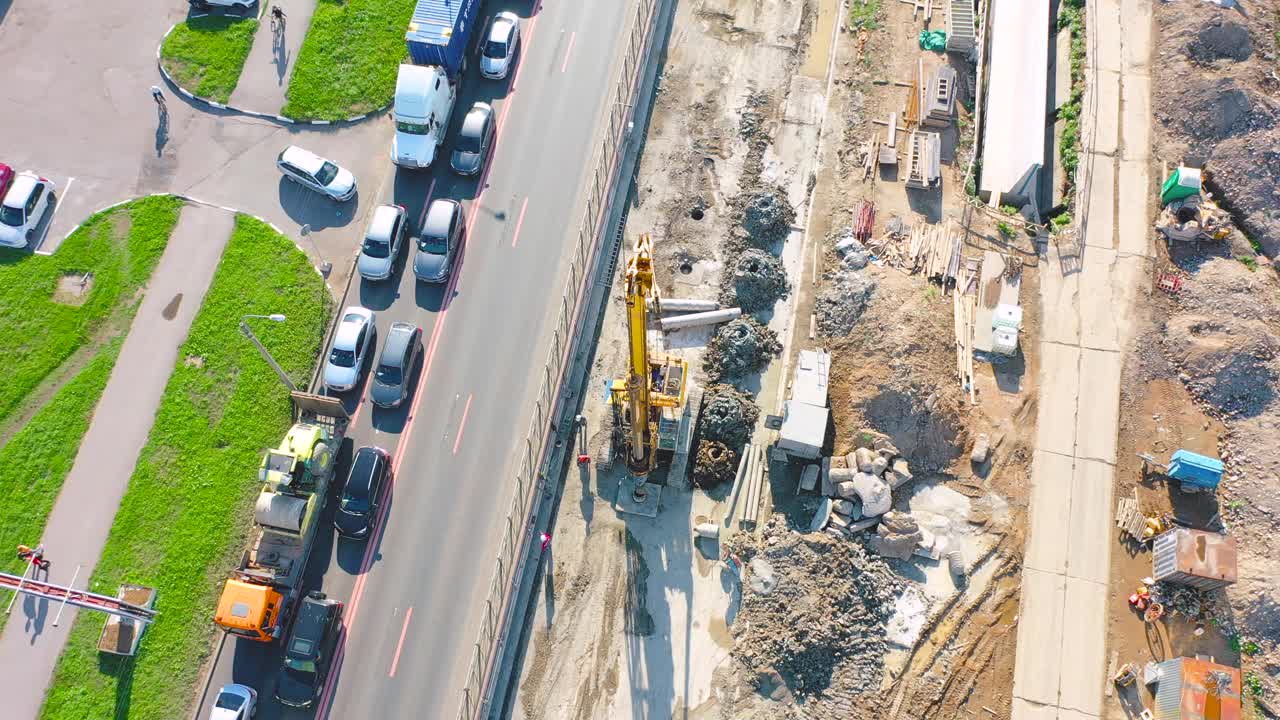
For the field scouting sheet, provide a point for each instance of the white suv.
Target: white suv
(24, 206)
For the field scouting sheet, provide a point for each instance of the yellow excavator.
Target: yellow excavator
(649, 403)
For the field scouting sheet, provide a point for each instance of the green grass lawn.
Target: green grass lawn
(348, 62)
(183, 519)
(206, 54)
(119, 247)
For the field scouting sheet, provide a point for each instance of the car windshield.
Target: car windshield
(301, 667)
(376, 248)
(343, 358)
(328, 171)
(388, 375)
(412, 128)
(469, 143)
(432, 244)
(496, 50)
(229, 701)
(355, 505)
(11, 216)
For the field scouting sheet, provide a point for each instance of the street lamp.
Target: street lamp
(244, 328)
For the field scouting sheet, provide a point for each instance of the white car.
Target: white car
(315, 173)
(24, 206)
(235, 702)
(500, 44)
(352, 344)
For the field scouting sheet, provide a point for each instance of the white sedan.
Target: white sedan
(352, 344)
(235, 702)
(499, 50)
(24, 206)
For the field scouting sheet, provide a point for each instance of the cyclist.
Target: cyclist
(277, 17)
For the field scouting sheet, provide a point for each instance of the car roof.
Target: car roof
(309, 627)
(501, 29)
(21, 189)
(364, 463)
(304, 160)
(349, 328)
(398, 338)
(384, 217)
(438, 217)
(473, 123)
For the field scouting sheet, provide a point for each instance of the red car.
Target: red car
(6, 178)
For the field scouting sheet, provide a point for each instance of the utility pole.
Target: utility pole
(244, 328)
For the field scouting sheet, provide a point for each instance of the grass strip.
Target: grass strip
(184, 518)
(206, 54)
(118, 248)
(348, 62)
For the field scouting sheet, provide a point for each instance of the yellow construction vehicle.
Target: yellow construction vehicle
(649, 403)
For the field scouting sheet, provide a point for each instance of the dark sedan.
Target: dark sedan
(307, 654)
(359, 504)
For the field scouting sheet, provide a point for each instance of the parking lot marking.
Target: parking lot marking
(519, 221)
(565, 64)
(462, 425)
(66, 190)
(426, 203)
(400, 645)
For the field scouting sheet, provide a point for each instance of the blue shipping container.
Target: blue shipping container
(1196, 469)
(439, 31)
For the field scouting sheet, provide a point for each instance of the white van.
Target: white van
(424, 102)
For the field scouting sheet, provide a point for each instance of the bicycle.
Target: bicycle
(277, 21)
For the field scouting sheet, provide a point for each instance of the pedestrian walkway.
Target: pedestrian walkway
(82, 515)
(266, 71)
(1087, 325)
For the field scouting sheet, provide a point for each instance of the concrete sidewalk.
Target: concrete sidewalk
(1060, 671)
(270, 63)
(83, 513)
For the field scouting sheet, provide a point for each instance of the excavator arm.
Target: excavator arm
(641, 455)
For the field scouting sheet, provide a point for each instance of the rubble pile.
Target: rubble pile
(740, 347)
(751, 117)
(765, 215)
(1230, 361)
(715, 463)
(758, 281)
(1194, 604)
(853, 254)
(843, 299)
(1220, 40)
(821, 626)
(728, 415)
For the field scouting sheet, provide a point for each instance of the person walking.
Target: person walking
(158, 95)
(546, 540)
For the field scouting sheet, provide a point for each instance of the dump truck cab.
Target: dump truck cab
(250, 610)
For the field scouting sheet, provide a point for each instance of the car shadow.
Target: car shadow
(435, 297)
(307, 207)
(41, 231)
(351, 551)
(393, 420)
(380, 295)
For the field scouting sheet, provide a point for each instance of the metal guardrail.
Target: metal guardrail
(532, 476)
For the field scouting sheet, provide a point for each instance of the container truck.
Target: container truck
(439, 33)
(424, 102)
(259, 598)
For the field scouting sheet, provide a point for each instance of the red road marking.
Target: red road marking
(400, 645)
(462, 425)
(426, 203)
(520, 221)
(565, 64)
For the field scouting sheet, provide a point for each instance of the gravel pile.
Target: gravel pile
(728, 415)
(766, 216)
(758, 281)
(715, 463)
(1231, 362)
(842, 301)
(739, 348)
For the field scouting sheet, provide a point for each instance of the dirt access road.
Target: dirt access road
(1087, 325)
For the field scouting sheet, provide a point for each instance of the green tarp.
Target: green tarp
(935, 40)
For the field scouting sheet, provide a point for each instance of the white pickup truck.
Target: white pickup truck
(424, 102)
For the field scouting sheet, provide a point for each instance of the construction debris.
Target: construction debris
(841, 302)
(759, 280)
(898, 536)
(822, 629)
(1193, 219)
(728, 415)
(766, 216)
(739, 348)
(715, 463)
(933, 250)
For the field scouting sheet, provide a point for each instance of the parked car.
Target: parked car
(442, 233)
(382, 241)
(400, 355)
(6, 179)
(239, 5)
(315, 173)
(475, 139)
(358, 507)
(25, 204)
(351, 346)
(500, 43)
(307, 654)
(234, 702)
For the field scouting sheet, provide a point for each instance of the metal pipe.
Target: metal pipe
(737, 484)
(244, 328)
(685, 305)
(702, 318)
(63, 606)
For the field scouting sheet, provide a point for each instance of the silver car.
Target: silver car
(400, 355)
(442, 233)
(352, 344)
(500, 43)
(382, 243)
(315, 173)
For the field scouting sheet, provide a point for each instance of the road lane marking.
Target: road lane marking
(565, 64)
(426, 204)
(519, 221)
(400, 645)
(462, 425)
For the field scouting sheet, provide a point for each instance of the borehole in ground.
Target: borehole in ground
(73, 289)
(696, 213)
(686, 268)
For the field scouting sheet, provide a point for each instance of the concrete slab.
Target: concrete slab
(1135, 117)
(1039, 653)
(266, 71)
(1088, 532)
(627, 502)
(1099, 230)
(1133, 227)
(1097, 311)
(1135, 51)
(1103, 96)
(1059, 390)
(1050, 495)
(1058, 290)
(1026, 710)
(1083, 646)
(1097, 418)
(1108, 38)
(1018, 64)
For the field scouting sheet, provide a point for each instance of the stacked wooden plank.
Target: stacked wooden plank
(934, 251)
(963, 308)
(924, 153)
(864, 221)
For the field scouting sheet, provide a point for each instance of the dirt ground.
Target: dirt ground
(636, 617)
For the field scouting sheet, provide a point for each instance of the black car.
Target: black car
(475, 138)
(359, 503)
(307, 654)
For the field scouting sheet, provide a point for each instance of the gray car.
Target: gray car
(382, 242)
(474, 140)
(399, 357)
(442, 233)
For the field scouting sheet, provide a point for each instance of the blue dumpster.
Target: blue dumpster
(1195, 470)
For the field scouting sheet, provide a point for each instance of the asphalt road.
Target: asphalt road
(414, 596)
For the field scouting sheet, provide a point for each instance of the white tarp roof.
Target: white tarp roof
(1016, 100)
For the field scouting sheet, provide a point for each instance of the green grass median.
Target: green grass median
(348, 62)
(206, 54)
(184, 518)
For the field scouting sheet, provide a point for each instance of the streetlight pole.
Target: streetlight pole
(244, 328)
